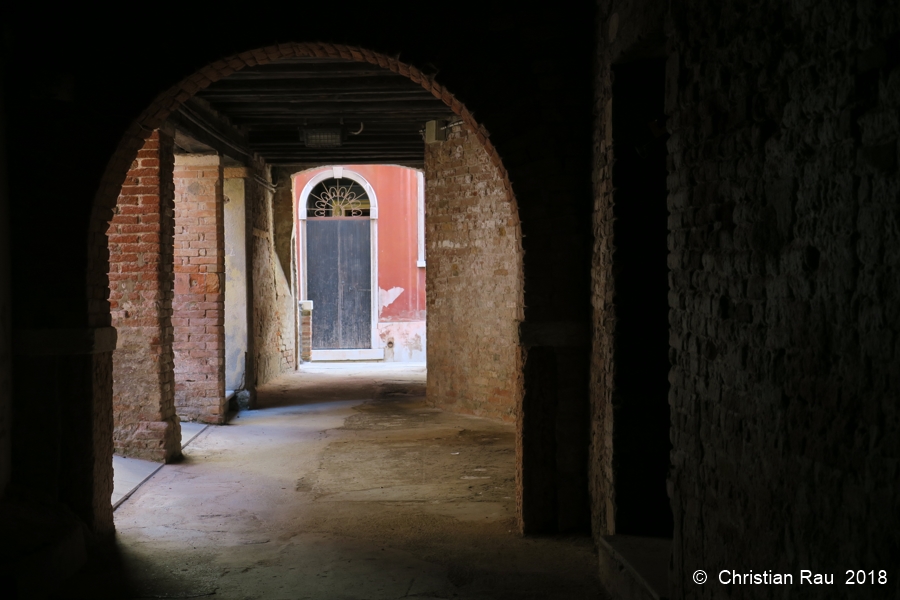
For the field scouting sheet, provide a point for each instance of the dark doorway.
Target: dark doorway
(641, 419)
(339, 280)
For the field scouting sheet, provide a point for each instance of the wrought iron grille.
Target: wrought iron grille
(334, 198)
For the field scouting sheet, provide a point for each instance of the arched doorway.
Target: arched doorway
(338, 214)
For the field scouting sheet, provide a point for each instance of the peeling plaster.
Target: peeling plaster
(403, 341)
(387, 297)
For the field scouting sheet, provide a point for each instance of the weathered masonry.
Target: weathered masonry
(141, 278)
(207, 311)
(661, 238)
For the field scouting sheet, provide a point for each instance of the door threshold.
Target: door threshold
(348, 354)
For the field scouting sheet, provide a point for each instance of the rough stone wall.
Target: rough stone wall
(783, 255)
(93, 491)
(285, 251)
(283, 217)
(140, 280)
(785, 295)
(273, 303)
(473, 283)
(199, 316)
(624, 27)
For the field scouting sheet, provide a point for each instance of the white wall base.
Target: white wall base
(360, 354)
(402, 341)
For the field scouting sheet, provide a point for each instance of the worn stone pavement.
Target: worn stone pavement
(343, 484)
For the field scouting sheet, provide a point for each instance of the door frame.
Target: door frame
(372, 352)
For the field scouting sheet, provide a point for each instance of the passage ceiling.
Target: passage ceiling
(273, 105)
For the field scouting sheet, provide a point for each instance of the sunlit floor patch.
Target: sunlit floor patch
(340, 488)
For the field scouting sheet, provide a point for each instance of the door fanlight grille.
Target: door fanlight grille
(332, 199)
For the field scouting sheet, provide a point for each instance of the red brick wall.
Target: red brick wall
(140, 282)
(473, 282)
(199, 289)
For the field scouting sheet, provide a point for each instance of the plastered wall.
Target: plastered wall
(273, 330)
(400, 288)
(235, 213)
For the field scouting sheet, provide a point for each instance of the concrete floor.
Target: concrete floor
(344, 484)
(130, 473)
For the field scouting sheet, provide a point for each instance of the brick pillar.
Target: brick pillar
(140, 281)
(306, 331)
(199, 317)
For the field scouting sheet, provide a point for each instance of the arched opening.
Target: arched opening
(474, 251)
(337, 264)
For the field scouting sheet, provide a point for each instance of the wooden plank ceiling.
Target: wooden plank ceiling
(273, 104)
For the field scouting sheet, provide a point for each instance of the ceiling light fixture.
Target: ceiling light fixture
(326, 137)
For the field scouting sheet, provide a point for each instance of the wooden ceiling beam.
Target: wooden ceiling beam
(408, 107)
(274, 124)
(285, 72)
(354, 143)
(369, 130)
(271, 103)
(223, 101)
(343, 152)
(230, 86)
(205, 125)
(317, 120)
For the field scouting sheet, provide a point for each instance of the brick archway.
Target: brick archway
(473, 138)
(167, 102)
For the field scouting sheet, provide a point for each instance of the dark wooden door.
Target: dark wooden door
(339, 276)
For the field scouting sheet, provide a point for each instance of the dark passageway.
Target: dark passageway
(662, 259)
(641, 398)
(344, 484)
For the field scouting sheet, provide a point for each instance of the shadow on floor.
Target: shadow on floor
(342, 486)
